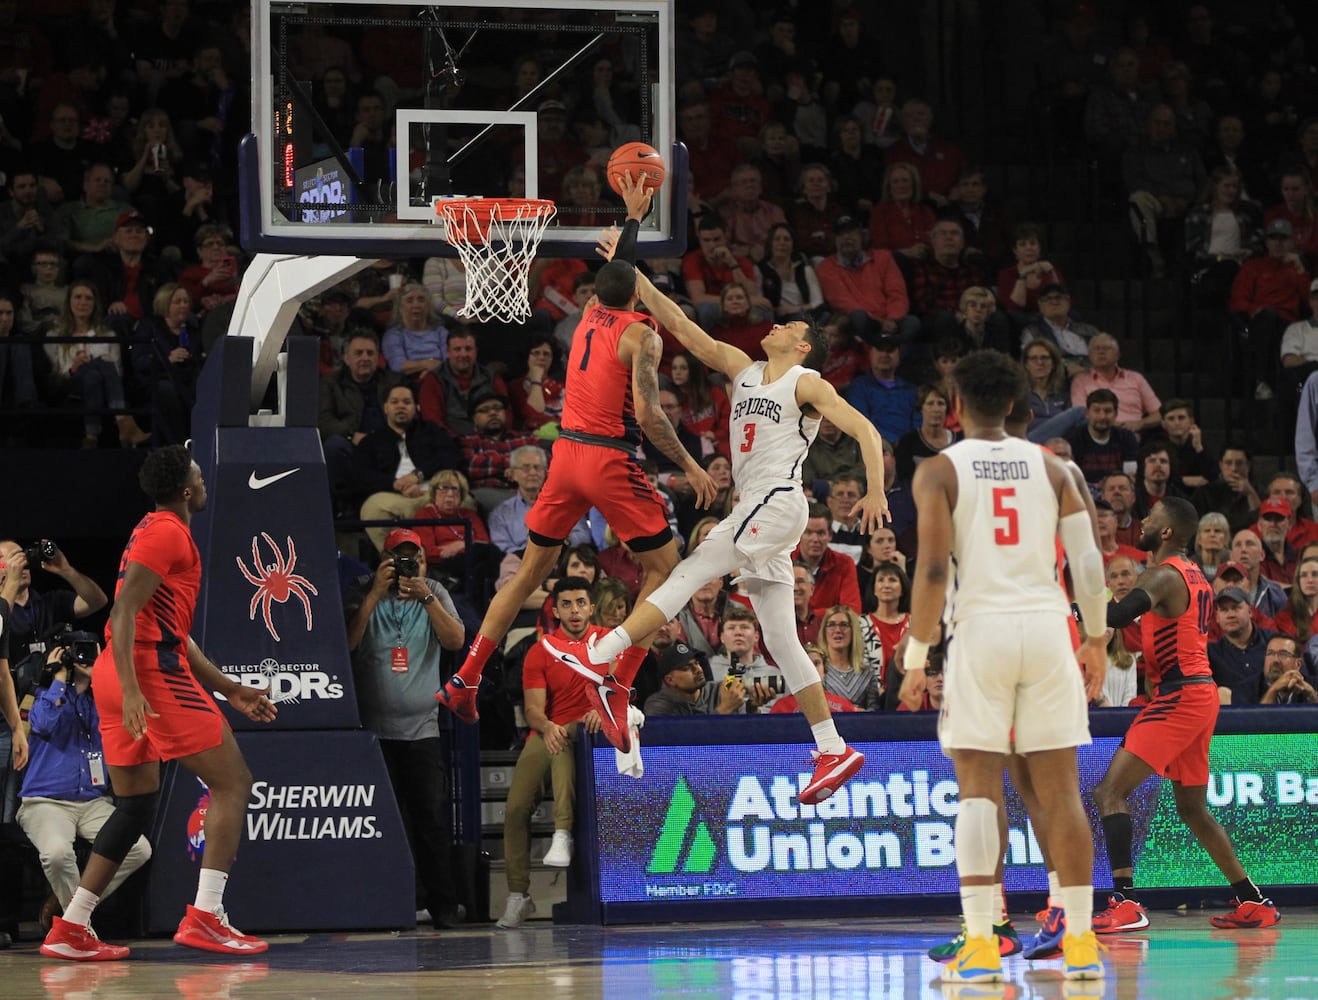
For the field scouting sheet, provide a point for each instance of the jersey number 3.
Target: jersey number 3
(1009, 533)
(747, 437)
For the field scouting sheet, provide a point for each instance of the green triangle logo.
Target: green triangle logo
(682, 832)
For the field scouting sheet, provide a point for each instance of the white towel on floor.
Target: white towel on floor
(630, 762)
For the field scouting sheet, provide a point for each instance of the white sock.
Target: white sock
(1054, 887)
(1000, 897)
(1078, 902)
(79, 910)
(978, 907)
(210, 889)
(609, 646)
(826, 737)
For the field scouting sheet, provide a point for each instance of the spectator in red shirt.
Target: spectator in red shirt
(1019, 285)
(712, 266)
(835, 574)
(705, 407)
(814, 213)
(1298, 207)
(866, 287)
(901, 221)
(711, 158)
(809, 619)
(1107, 537)
(1289, 487)
(939, 162)
(1276, 518)
(1267, 295)
(739, 109)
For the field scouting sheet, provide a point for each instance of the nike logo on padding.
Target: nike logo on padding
(259, 483)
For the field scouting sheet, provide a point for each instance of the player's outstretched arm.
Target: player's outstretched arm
(872, 508)
(724, 357)
(653, 420)
(933, 490)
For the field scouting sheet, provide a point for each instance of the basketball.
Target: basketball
(643, 161)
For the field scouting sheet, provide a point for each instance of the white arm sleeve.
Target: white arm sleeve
(1077, 531)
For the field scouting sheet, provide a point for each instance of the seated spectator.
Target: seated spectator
(738, 109)
(1289, 487)
(538, 395)
(575, 560)
(392, 466)
(1117, 108)
(581, 200)
(879, 116)
(445, 394)
(1279, 557)
(334, 325)
(901, 505)
(1285, 684)
(813, 214)
(1232, 493)
(712, 157)
(832, 454)
(931, 437)
(18, 385)
(583, 290)
(683, 507)
(711, 267)
(90, 223)
(1107, 536)
(1162, 178)
(702, 618)
(151, 179)
(1121, 682)
(788, 279)
(1299, 348)
(835, 574)
(857, 167)
(65, 794)
(1237, 657)
(836, 703)
(979, 325)
(685, 691)
(738, 324)
(939, 279)
(1267, 596)
(487, 450)
(886, 399)
(880, 547)
(1137, 405)
(1231, 149)
(416, 340)
(1210, 543)
(939, 162)
(1056, 324)
(779, 162)
(866, 288)
(1298, 617)
(1266, 296)
(671, 476)
(748, 217)
(1118, 489)
(42, 297)
(1299, 207)
(1121, 575)
(705, 407)
(556, 710)
(1099, 446)
(91, 372)
(1049, 395)
(901, 221)
(1194, 119)
(214, 279)
(526, 468)
(352, 406)
(848, 356)
(947, 353)
(27, 220)
(740, 660)
(847, 672)
(62, 158)
(809, 620)
(934, 663)
(166, 355)
(982, 216)
(1194, 466)
(882, 629)
(619, 563)
(552, 280)
(611, 601)
(1019, 285)
(1222, 230)
(127, 273)
(446, 547)
(446, 281)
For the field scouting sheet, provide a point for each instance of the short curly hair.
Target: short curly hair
(165, 472)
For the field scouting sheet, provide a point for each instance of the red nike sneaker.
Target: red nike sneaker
(611, 700)
(459, 699)
(1248, 914)
(1122, 914)
(213, 932)
(831, 772)
(79, 943)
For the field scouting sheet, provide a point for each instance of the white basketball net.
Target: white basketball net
(499, 262)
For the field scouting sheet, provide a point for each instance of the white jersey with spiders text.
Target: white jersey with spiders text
(770, 433)
(1004, 531)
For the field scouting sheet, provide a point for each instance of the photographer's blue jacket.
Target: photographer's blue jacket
(65, 729)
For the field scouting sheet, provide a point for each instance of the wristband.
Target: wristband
(529, 382)
(917, 653)
(427, 599)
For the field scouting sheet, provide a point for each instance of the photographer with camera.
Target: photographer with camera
(739, 659)
(399, 624)
(66, 792)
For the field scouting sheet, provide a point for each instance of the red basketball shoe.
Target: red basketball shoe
(459, 699)
(79, 943)
(213, 932)
(831, 772)
(1248, 914)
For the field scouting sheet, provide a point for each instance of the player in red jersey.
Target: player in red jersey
(152, 685)
(1171, 734)
(611, 395)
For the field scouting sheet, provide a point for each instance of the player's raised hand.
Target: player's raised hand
(703, 485)
(606, 244)
(1092, 655)
(634, 196)
(872, 509)
(254, 702)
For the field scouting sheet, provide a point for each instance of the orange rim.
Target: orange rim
(468, 220)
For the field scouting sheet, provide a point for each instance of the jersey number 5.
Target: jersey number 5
(1009, 533)
(747, 437)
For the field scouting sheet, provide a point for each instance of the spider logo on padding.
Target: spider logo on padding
(275, 582)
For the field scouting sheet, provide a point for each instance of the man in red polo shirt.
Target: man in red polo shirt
(834, 573)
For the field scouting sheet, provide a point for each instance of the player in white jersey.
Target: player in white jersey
(776, 406)
(990, 508)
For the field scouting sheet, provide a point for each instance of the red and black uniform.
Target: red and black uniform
(595, 456)
(189, 720)
(1172, 732)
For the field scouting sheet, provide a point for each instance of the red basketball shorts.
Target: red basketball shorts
(1172, 732)
(187, 720)
(588, 475)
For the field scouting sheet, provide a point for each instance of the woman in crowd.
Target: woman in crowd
(947, 352)
(581, 203)
(879, 549)
(705, 407)
(166, 355)
(787, 277)
(931, 437)
(699, 531)
(416, 342)
(884, 627)
(1121, 683)
(336, 104)
(611, 602)
(446, 280)
(1049, 392)
(214, 280)
(1211, 542)
(1221, 231)
(93, 369)
(847, 672)
(537, 397)
(836, 703)
(152, 179)
(980, 324)
(1018, 285)
(445, 545)
(737, 325)
(857, 166)
(900, 222)
(1298, 617)
(779, 162)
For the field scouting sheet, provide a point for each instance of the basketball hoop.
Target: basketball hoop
(496, 240)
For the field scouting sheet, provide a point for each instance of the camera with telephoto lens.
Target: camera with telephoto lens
(77, 649)
(43, 551)
(406, 566)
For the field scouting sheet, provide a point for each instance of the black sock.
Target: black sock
(1119, 836)
(1247, 891)
(1124, 884)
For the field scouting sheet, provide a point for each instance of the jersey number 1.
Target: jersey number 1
(747, 436)
(1009, 533)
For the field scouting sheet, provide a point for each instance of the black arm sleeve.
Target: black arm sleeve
(1121, 614)
(626, 248)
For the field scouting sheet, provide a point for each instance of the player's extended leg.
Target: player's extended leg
(459, 694)
(1126, 773)
(1047, 941)
(1252, 909)
(978, 851)
(225, 773)
(136, 790)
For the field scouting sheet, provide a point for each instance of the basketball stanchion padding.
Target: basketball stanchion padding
(496, 239)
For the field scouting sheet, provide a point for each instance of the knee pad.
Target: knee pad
(977, 845)
(131, 818)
